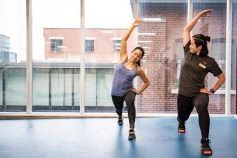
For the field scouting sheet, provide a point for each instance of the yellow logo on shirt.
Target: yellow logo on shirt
(202, 66)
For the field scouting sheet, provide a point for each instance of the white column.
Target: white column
(82, 59)
(135, 32)
(135, 8)
(190, 11)
(228, 57)
(28, 56)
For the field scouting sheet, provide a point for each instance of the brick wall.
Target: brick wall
(103, 43)
(161, 60)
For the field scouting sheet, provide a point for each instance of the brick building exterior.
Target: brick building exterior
(103, 51)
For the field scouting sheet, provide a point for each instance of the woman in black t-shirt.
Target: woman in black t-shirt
(192, 91)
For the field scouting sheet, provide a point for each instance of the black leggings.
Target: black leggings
(200, 102)
(129, 98)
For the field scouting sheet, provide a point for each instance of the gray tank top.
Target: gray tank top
(123, 80)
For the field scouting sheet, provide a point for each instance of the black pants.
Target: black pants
(200, 102)
(129, 98)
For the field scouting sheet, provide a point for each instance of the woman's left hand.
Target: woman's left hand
(206, 90)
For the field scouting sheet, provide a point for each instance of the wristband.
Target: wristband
(212, 90)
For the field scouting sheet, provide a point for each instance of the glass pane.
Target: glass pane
(234, 58)
(105, 24)
(161, 36)
(13, 56)
(56, 55)
(215, 27)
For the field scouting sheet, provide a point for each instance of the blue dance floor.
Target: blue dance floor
(103, 138)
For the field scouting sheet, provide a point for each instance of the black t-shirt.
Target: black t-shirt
(193, 71)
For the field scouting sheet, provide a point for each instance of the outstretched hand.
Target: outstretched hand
(137, 22)
(206, 13)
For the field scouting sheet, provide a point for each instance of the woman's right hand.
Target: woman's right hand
(206, 13)
(137, 22)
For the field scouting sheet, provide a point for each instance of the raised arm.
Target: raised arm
(123, 46)
(188, 28)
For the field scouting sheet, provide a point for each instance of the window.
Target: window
(12, 57)
(56, 45)
(217, 47)
(179, 59)
(89, 45)
(117, 44)
(4, 43)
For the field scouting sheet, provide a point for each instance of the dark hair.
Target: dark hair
(143, 52)
(200, 39)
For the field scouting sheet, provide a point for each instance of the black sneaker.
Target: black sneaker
(120, 120)
(181, 128)
(205, 147)
(131, 135)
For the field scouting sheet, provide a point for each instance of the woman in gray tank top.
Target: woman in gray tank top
(122, 86)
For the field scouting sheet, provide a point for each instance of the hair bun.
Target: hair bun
(207, 38)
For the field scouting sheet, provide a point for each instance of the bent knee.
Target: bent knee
(201, 102)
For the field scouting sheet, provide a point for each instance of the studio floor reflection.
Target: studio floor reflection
(103, 138)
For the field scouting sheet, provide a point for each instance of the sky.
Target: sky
(58, 14)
